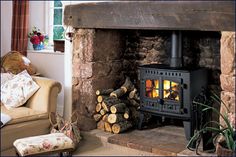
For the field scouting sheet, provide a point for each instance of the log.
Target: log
(97, 117)
(108, 127)
(133, 102)
(103, 112)
(121, 126)
(134, 114)
(101, 125)
(134, 95)
(118, 108)
(105, 117)
(107, 103)
(115, 118)
(100, 98)
(104, 91)
(118, 93)
(128, 85)
(98, 107)
(127, 113)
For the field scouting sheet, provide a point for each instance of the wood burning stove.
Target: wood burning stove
(168, 90)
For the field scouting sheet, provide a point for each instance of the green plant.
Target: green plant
(226, 133)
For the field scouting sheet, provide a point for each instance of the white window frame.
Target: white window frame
(49, 12)
(49, 22)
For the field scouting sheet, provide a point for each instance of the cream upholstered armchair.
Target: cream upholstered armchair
(32, 118)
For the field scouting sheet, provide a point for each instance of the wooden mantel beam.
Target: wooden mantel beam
(159, 15)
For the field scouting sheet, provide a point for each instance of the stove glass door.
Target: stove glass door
(171, 90)
(152, 89)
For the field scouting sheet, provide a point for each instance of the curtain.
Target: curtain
(20, 18)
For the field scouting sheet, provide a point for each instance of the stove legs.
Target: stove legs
(189, 130)
(141, 117)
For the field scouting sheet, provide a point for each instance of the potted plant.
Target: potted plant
(224, 136)
(37, 38)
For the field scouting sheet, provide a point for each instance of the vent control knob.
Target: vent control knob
(184, 110)
(160, 101)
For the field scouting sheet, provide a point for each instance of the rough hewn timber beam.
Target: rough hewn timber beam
(162, 15)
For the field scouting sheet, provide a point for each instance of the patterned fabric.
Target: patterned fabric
(20, 22)
(5, 77)
(43, 143)
(18, 90)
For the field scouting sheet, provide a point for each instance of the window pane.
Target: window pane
(57, 17)
(58, 32)
(57, 4)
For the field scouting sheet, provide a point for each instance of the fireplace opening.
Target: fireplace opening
(108, 56)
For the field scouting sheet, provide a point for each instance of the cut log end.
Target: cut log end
(103, 112)
(100, 98)
(97, 117)
(108, 127)
(121, 126)
(101, 125)
(104, 91)
(118, 93)
(98, 107)
(118, 108)
(114, 118)
(126, 115)
(128, 85)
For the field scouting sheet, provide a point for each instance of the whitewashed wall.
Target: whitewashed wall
(50, 65)
(6, 19)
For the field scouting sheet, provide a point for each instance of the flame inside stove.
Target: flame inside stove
(170, 89)
(152, 88)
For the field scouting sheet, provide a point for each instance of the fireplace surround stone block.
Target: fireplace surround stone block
(96, 65)
(227, 77)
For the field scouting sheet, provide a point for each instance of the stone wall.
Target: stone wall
(96, 65)
(227, 76)
(199, 49)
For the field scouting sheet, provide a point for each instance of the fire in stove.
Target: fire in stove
(170, 89)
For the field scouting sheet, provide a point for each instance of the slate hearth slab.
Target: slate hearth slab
(169, 140)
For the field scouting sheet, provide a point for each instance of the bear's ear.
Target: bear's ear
(74, 117)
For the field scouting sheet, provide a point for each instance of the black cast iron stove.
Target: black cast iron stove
(168, 90)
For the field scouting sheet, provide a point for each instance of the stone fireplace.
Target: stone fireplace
(108, 47)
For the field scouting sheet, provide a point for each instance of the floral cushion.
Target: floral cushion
(43, 144)
(16, 91)
(5, 77)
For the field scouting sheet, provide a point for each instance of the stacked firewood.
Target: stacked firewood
(116, 110)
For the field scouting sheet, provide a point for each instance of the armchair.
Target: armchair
(32, 118)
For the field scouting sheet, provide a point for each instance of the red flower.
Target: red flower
(41, 38)
(35, 40)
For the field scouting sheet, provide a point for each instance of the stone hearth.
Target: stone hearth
(151, 142)
(105, 49)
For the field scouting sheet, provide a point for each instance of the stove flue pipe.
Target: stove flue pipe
(176, 50)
